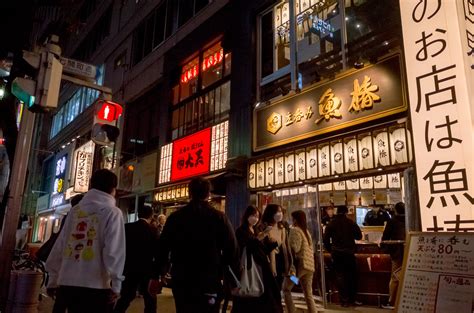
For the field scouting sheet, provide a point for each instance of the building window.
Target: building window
(367, 28)
(203, 111)
(202, 96)
(95, 37)
(162, 23)
(75, 105)
(141, 130)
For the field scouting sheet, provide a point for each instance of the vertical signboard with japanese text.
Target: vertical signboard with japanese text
(191, 155)
(438, 74)
(57, 197)
(83, 172)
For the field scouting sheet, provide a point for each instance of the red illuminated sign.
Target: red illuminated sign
(191, 155)
(207, 63)
(109, 111)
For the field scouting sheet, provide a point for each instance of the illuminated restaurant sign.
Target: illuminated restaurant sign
(83, 172)
(191, 155)
(196, 154)
(57, 197)
(364, 95)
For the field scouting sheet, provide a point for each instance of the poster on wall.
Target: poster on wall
(438, 45)
(439, 269)
(83, 171)
(191, 155)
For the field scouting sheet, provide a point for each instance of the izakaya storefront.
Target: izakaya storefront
(343, 142)
(203, 153)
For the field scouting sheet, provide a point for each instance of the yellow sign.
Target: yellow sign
(363, 96)
(329, 106)
(274, 123)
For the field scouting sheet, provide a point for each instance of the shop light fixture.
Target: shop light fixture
(358, 25)
(63, 146)
(379, 169)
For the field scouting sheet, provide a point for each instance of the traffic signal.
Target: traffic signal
(41, 91)
(105, 130)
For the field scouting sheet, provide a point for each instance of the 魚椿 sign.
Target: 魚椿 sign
(440, 69)
(367, 94)
(191, 155)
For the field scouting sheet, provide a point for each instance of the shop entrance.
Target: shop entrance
(370, 201)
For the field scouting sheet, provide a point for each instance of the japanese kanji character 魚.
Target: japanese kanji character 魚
(329, 106)
(442, 178)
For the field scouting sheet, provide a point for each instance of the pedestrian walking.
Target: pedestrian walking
(276, 238)
(395, 230)
(251, 240)
(87, 260)
(200, 243)
(161, 223)
(43, 252)
(301, 245)
(339, 240)
(141, 247)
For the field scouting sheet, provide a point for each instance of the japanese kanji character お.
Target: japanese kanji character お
(450, 90)
(422, 54)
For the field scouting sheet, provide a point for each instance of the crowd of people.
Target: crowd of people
(98, 264)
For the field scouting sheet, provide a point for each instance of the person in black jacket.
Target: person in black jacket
(339, 240)
(395, 230)
(248, 237)
(200, 243)
(141, 247)
(376, 217)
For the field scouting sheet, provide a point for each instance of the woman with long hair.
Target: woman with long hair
(301, 246)
(249, 238)
(275, 236)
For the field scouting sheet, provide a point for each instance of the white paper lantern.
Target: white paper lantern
(312, 163)
(350, 156)
(270, 172)
(290, 168)
(382, 149)
(337, 159)
(279, 170)
(252, 175)
(324, 163)
(366, 153)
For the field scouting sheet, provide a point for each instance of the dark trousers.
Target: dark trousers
(81, 300)
(346, 276)
(130, 285)
(188, 301)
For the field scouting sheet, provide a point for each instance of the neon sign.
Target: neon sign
(207, 63)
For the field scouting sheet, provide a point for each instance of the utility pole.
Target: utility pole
(40, 94)
(12, 213)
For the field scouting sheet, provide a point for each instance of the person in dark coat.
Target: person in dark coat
(395, 230)
(249, 238)
(376, 217)
(328, 217)
(200, 244)
(141, 248)
(339, 240)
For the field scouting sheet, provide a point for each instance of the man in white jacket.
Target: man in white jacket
(86, 263)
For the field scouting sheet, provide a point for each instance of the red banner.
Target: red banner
(191, 155)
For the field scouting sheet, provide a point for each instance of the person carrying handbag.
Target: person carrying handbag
(301, 246)
(254, 251)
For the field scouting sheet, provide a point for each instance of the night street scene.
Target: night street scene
(237, 156)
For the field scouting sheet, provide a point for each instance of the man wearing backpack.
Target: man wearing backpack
(200, 243)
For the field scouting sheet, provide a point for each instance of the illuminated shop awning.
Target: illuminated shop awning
(353, 156)
(179, 191)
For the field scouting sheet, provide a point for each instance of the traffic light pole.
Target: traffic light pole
(12, 213)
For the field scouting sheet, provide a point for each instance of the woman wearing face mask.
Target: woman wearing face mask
(249, 238)
(276, 237)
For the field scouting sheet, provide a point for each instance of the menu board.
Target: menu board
(438, 273)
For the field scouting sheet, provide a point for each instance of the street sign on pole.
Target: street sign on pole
(79, 69)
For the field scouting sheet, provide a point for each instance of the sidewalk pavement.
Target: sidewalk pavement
(166, 305)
